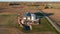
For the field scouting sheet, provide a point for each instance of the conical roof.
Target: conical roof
(28, 14)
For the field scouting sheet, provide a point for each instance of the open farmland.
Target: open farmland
(8, 16)
(8, 23)
(56, 14)
(9, 30)
(8, 19)
(44, 28)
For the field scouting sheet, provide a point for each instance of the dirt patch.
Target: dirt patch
(9, 31)
(45, 32)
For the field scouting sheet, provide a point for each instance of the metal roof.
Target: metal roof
(28, 14)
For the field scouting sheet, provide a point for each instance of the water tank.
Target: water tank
(33, 17)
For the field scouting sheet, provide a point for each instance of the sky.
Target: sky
(30, 0)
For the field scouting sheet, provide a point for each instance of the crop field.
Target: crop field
(8, 23)
(8, 20)
(43, 28)
(9, 30)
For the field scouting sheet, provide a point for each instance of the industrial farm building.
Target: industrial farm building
(29, 19)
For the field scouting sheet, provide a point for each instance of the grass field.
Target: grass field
(7, 19)
(44, 28)
(8, 24)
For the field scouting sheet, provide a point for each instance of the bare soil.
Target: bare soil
(44, 32)
(13, 30)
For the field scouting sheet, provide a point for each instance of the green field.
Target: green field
(45, 26)
(8, 19)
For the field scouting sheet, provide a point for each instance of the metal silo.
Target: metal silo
(33, 17)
